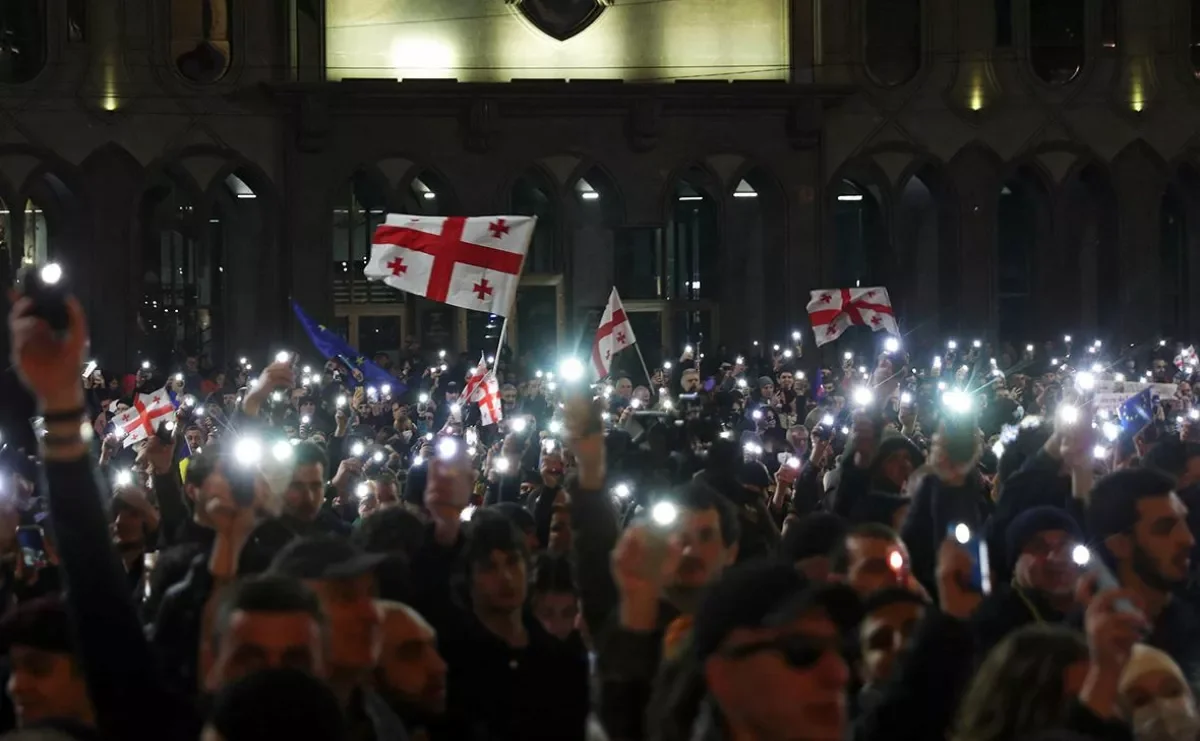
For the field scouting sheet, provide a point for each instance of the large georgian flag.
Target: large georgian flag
(614, 334)
(471, 262)
(835, 310)
(140, 421)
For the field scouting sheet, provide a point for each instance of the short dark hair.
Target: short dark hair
(265, 593)
(306, 454)
(1171, 456)
(697, 496)
(871, 530)
(1114, 503)
(489, 532)
(391, 530)
(552, 574)
(889, 596)
(40, 623)
(277, 703)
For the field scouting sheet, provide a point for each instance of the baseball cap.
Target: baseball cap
(767, 594)
(324, 557)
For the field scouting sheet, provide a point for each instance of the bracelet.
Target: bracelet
(61, 441)
(70, 415)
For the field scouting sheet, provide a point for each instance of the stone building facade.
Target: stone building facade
(197, 164)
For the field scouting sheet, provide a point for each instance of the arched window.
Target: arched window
(1004, 23)
(533, 195)
(1018, 223)
(357, 213)
(858, 227)
(180, 272)
(22, 40)
(36, 241)
(200, 38)
(1173, 266)
(1056, 39)
(892, 40)
(1110, 24)
(1194, 39)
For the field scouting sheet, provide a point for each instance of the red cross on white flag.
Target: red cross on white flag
(834, 311)
(612, 336)
(148, 412)
(486, 393)
(474, 263)
(474, 378)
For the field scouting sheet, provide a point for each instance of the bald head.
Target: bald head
(411, 673)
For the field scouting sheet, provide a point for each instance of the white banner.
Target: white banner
(1109, 395)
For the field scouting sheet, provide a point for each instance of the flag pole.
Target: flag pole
(646, 370)
(500, 344)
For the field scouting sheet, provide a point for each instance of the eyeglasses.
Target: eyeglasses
(799, 651)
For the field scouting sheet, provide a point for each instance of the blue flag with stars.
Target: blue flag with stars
(329, 344)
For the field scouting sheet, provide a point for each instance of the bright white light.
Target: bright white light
(1097, 368)
(756, 414)
(428, 436)
(937, 361)
(571, 370)
(282, 356)
(124, 478)
(200, 411)
(1066, 338)
(421, 57)
(905, 398)
(1100, 452)
(357, 449)
(667, 365)
(456, 409)
(827, 420)
(468, 511)
(787, 353)
(423, 398)
(794, 463)
(863, 396)
(247, 451)
(1029, 348)
(276, 396)
(1111, 431)
(1085, 381)
(958, 402)
(447, 447)
(341, 401)
(363, 490)
(1053, 361)
(556, 426)
(664, 513)
(1194, 414)
(976, 344)
(519, 424)
(891, 344)
(385, 389)
(1097, 343)
(951, 345)
(998, 449)
(306, 420)
(51, 273)
(962, 533)
(1081, 555)
(441, 354)
(1119, 378)
(795, 336)
(548, 446)
(850, 197)
(501, 465)
(282, 451)
(377, 456)
(623, 490)
(1068, 414)
(145, 365)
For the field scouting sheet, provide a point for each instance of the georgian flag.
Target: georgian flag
(614, 334)
(474, 263)
(486, 394)
(833, 311)
(148, 413)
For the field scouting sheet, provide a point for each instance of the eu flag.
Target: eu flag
(329, 344)
(1136, 412)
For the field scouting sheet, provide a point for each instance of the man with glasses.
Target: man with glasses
(769, 641)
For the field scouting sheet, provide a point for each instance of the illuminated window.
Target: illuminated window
(22, 40)
(860, 240)
(892, 39)
(359, 210)
(533, 195)
(1056, 39)
(181, 276)
(35, 245)
(200, 38)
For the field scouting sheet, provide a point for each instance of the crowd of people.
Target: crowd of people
(738, 547)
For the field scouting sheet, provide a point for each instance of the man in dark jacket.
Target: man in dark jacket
(1040, 542)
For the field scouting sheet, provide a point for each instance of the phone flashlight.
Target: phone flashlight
(145, 365)
(794, 463)
(1068, 414)
(377, 456)
(787, 353)
(306, 419)
(548, 446)
(441, 354)
(891, 344)
(688, 349)
(423, 398)
(282, 356)
(357, 449)
(247, 451)
(863, 397)
(124, 478)
(385, 389)
(282, 451)
(827, 420)
(556, 426)
(623, 490)
(89, 368)
(518, 424)
(363, 490)
(977, 344)
(906, 398)
(795, 335)
(1099, 452)
(341, 401)
(1081, 555)
(447, 448)
(200, 411)
(664, 514)
(501, 465)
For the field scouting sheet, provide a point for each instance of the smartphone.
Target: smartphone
(45, 285)
(1106, 581)
(659, 527)
(32, 542)
(965, 535)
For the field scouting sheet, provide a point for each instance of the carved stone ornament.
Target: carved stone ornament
(560, 19)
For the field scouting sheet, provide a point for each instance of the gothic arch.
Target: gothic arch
(699, 175)
(612, 198)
